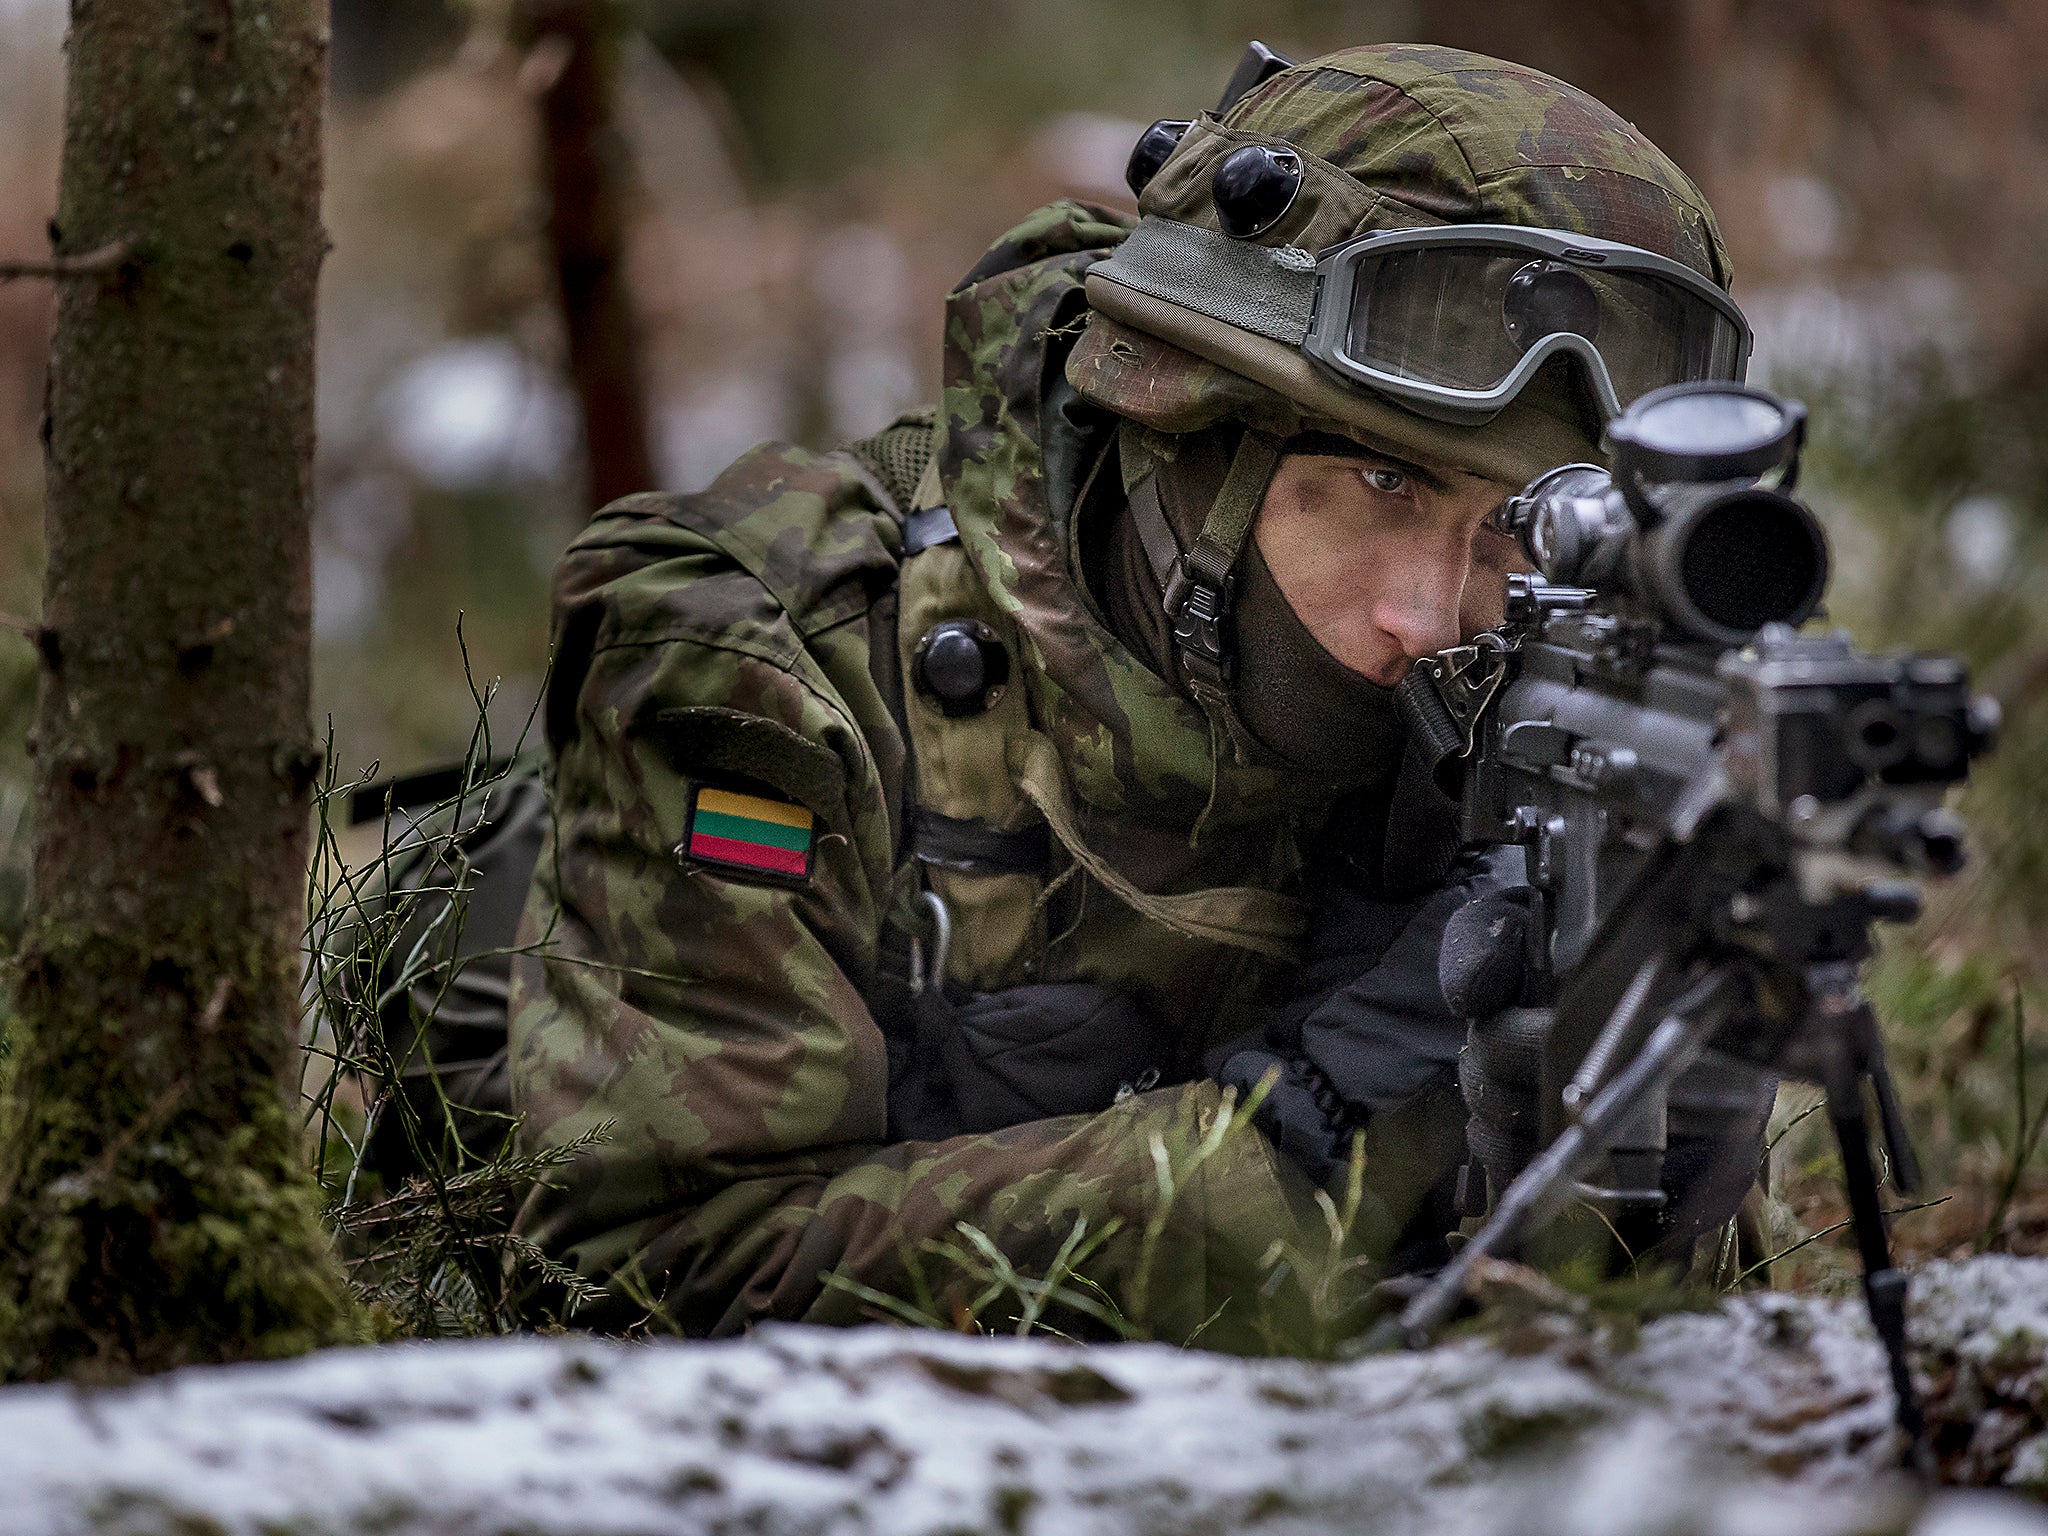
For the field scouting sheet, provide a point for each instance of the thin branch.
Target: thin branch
(112, 254)
(1783, 1253)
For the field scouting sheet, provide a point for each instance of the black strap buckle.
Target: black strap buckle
(1198, 614)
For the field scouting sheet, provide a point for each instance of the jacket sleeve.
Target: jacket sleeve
(715, 1023)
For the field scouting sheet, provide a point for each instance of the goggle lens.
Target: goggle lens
(1462, 317)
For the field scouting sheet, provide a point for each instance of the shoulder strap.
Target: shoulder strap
(899, 460)
(925, 836)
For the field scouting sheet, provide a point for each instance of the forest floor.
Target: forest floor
(1768, 1415)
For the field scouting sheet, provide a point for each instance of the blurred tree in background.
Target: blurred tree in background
(572, 51)
(805, 178)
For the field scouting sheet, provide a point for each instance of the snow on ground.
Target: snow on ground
(1769, 1417)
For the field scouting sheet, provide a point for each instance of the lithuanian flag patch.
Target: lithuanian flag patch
(770, 837)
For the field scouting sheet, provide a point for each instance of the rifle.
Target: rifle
(1715, 808)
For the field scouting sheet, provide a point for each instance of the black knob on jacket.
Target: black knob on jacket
(1154, 145)
(1253, 187)
(960, 666)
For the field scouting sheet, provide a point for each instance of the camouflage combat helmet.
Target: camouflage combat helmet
(1388, 137)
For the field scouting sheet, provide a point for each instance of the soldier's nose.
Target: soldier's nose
(1422, 621)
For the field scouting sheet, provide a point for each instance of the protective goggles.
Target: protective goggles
(1454, 321)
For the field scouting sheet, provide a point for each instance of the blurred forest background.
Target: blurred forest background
(807, 177)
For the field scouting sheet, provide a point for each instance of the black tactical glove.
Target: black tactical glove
(1025, 1053)
(1484, 960)
(1367, 1046)
(1302, 1114)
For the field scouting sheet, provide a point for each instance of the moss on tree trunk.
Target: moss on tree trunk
(155, 1207)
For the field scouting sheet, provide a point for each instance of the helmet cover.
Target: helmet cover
(1392, 136)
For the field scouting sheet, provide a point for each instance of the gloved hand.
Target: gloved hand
(1484, 962)
(1367, 1045)
(1483, 973)
(1413, 1147)
(1302, 1114)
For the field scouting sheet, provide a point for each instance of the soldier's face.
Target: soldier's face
(1385, 561)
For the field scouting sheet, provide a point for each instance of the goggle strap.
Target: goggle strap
(1268, 290)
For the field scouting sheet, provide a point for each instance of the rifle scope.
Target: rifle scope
(1685, 522)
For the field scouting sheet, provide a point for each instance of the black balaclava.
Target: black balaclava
(1304, 706)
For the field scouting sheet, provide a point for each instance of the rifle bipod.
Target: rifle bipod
(1671, 1047)
(1840, 1055)
(1845, 1066)
(1884, 1287)
(1840, 1051)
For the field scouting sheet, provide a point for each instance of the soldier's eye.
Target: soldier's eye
(1387, 480)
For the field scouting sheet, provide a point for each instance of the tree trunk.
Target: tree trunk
(577, 44)
(155, 1206)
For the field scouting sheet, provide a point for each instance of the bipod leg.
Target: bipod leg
(1891, 1120)
(1671, 1047)
(1884, 1287)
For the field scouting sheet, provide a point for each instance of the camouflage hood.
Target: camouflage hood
(1391, 137)
(1012, 453)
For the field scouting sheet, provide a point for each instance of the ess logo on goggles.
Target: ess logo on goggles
(1453, 321)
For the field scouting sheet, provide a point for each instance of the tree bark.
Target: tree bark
(577, 42)
(155, 1204)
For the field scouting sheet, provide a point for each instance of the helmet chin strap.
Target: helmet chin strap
(1200, 584)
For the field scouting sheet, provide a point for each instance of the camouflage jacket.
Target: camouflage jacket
(742, 776)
